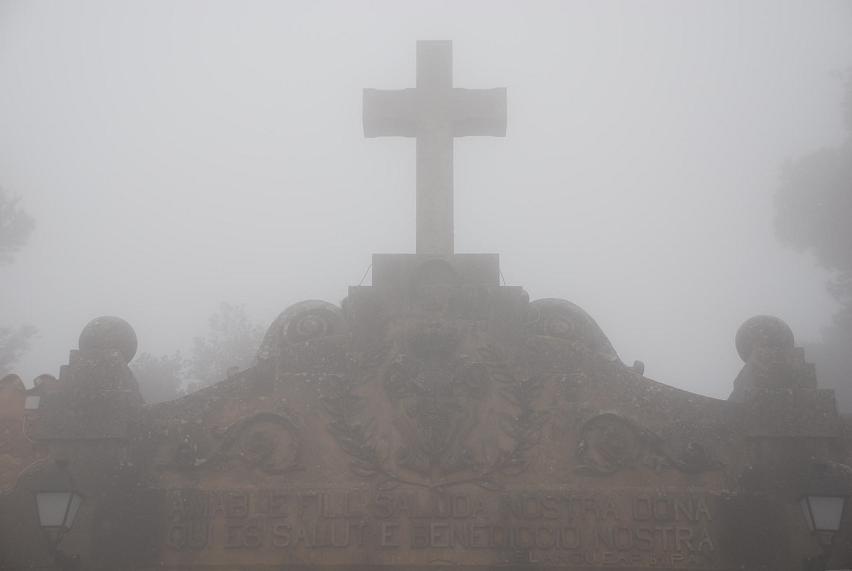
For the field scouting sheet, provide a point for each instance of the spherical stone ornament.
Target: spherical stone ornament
(108, 334)
(766, 330)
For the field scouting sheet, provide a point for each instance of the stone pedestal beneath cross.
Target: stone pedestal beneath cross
(434, 113)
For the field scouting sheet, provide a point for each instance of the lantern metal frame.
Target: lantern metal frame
(823, 497)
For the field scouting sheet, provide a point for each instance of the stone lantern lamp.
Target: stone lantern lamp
(57, 501)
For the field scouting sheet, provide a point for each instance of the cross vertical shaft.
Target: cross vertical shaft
(435, 231)
(435, 151)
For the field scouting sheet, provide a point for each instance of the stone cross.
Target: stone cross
(434, 113)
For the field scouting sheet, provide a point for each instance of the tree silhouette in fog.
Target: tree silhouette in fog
(813, 213)
(15, 229)
(231, 344)
(160, 378)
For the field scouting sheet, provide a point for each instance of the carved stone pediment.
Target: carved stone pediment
(437, 418)
(430, 394)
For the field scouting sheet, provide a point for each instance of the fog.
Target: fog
(176, 155)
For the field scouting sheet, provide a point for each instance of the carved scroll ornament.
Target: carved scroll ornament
(610, 443)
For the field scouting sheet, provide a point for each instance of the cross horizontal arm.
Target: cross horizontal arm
(479, 112)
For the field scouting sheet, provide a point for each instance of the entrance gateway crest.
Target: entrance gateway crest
(433, 419)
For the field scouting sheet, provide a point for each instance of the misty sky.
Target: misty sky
(179, 154)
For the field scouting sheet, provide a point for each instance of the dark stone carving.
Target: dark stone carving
(684, 446)
(610, 443)
(694, 458)
(437, 398)
(562, 319)
(525, 427)
(436, 395)
(300, 323)
(267, 442)
(436, 414)
(355, 437)
(310, 320)
(307, 336)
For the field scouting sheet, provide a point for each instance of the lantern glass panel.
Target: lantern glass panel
(826, 512)
(52, 507)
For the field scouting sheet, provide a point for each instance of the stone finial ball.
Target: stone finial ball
(109, 334)
(764, 329)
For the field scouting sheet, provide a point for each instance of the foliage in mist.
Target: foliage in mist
(813, 213)
(15, 229)
(231, 344)
(14, 342)
(160, 378)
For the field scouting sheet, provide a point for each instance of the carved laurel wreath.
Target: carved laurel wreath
(357, 437)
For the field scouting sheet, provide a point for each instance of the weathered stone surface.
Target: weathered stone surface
(96, 395)
(773, 363)
(436, 419)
